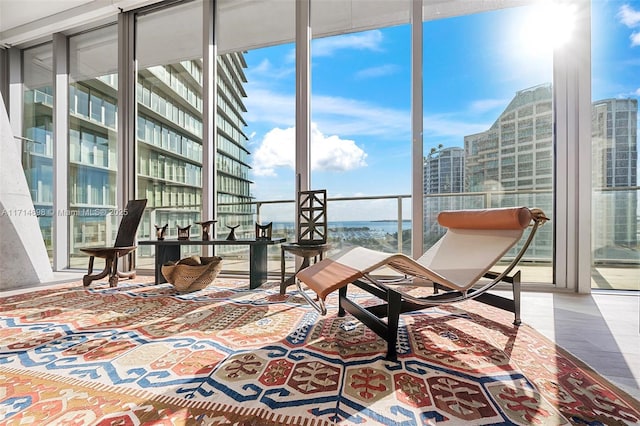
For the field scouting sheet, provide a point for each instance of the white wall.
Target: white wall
(23, 255)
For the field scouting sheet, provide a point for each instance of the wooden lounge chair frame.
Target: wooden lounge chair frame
(396, 302)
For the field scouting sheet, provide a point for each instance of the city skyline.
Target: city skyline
(490, 61)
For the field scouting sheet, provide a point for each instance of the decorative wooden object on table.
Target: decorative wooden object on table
(263, 232)
(205, 229)
(183, 233)
(161, 231)
(232, 233)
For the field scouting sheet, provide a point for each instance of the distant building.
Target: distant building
(615, 169)
(444, 171)
(443, 175)
(511, 164)
(515, 154)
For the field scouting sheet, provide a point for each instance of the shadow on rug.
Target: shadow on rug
(142, 353)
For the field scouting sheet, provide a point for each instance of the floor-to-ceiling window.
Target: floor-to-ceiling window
(361, 130)
(93, 95)
(169, 118)
(270, 128)
(37, 142)
(256, 158)
(488, 118)
(232, 156)
(234, 211)
(615, 92)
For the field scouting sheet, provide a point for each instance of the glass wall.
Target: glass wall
(233, 156)
(256, 95)
(234, 209)
(93, 96)
(169, 119)
(615, 92)
(37, 144)
(488, 120)
(361, 133)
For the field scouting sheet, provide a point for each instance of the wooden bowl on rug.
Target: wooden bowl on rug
(192, 273)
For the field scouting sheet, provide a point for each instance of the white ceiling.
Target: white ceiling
(244, 24)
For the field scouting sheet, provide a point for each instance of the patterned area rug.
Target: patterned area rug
(142, 353)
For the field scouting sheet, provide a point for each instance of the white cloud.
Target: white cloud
(276, 150)
(346, 116)
(628, 16)
(335, 154)
(637, 92)
(380, 71)
(342, 115)
(369, 40)
(266, 71)
(635, 39)
(273, 108)
(327, 152)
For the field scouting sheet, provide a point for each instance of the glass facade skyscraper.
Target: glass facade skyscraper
(515, 154)
(615, 171)
(444, 171)
(169, 155)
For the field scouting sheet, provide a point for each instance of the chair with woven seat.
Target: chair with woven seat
(311, 236)
(122, 247)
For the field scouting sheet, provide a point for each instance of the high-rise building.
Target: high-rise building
(168, 151)
(515, 154)
(444, 171)
(512, 163)
(443, 175)
(615, 171)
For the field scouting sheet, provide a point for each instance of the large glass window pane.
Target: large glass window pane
(361, 133)
(37, 155)
(615, 92)
(93, 94)
(232, 160)
(488, 136)
(256, 113)
(169, 65)
(269, 149)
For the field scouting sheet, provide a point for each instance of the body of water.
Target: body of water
(372, 228)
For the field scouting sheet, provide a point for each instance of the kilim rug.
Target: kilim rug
(144, 354)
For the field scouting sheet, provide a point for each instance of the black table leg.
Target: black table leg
(257, 265)
(165, 253)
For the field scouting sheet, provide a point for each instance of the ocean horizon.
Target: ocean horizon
(384, 226)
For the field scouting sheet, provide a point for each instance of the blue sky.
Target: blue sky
(473, 66)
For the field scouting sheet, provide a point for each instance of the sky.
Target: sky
(361, 93)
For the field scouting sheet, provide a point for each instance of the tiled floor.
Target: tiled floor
(602, 329)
